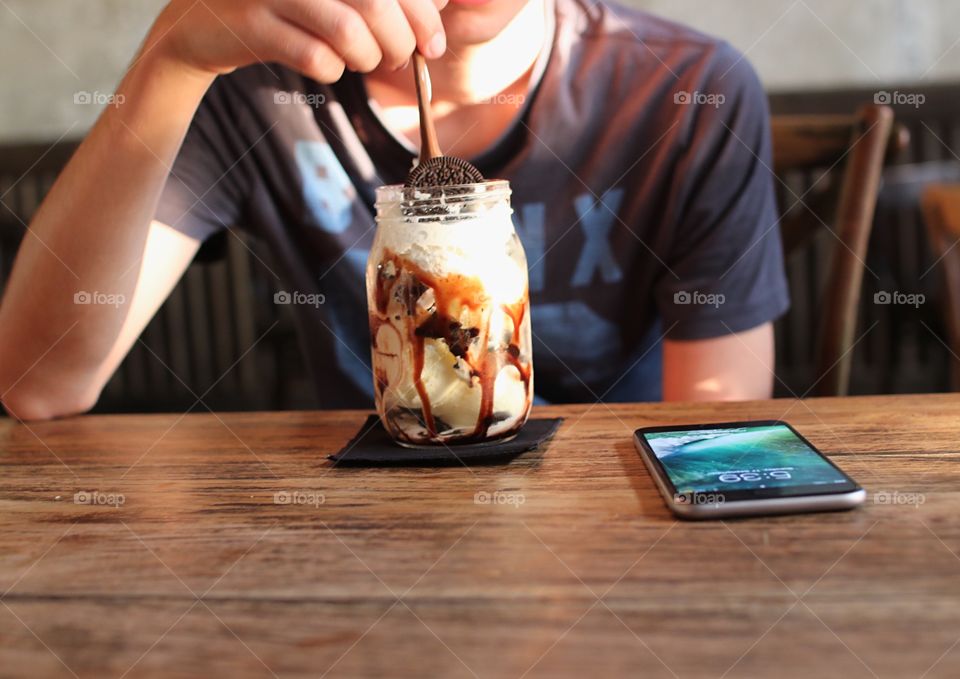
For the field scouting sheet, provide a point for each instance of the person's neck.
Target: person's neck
(469, 74)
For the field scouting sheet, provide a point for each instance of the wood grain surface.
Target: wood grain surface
(228, 545)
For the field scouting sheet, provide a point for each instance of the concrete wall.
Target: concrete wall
(52, 49)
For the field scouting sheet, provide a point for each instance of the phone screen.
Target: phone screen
(741, 462)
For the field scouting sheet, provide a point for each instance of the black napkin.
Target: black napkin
(373, 447)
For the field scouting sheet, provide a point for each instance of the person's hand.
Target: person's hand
(319, 38)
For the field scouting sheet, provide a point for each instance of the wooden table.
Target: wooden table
(575, 569)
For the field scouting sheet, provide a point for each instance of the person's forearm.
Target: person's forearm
(88, 237)
(737, 367)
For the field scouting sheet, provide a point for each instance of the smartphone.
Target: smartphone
(743, 468)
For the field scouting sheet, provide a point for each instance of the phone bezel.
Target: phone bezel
(780, 492)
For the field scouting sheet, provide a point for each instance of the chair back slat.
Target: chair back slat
(809, 142)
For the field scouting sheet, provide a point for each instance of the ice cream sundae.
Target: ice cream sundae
(449, 320)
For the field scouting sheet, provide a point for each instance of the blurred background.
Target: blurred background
(815, 57)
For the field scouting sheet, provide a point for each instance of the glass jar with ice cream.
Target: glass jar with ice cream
(447, 295)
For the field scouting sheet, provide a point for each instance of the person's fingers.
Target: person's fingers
(339, 26)
(301, 51)
(424, 18)
(389, 25)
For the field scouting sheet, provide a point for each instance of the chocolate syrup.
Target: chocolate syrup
(516, 312)
(403, 281)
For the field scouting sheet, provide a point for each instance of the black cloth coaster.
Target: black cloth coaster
(373, 447)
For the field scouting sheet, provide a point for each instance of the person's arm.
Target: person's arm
(91, 235)
(729, 368)
(94, 233)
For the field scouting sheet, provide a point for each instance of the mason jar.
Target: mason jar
(448, 298)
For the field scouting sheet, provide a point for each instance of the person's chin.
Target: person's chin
(471, 22)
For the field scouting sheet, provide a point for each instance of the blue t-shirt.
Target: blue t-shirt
(642, 193)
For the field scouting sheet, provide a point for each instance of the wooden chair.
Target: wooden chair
(820, 148)
(941, 213)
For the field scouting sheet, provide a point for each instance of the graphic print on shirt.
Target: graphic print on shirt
(588, 349)
(595, 349)
(528, 222)
(327, 191)
(597, 218)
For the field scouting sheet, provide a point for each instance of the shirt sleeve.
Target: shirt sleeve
(205, 190)
(724, 269)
